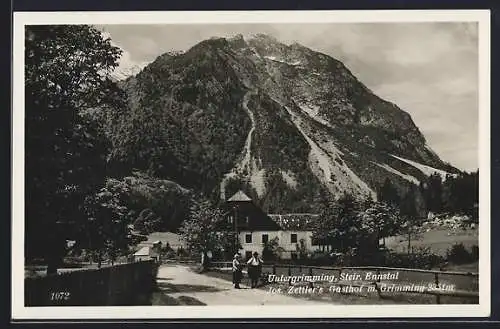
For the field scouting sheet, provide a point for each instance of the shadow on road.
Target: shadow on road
(163, 279)
(188, 300)
(185, 288)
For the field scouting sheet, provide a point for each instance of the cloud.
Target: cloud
(447, 116)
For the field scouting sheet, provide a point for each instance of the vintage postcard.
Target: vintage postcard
(301, 164)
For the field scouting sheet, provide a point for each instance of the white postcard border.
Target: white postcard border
(20, 312)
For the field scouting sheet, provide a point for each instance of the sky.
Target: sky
(430, 70)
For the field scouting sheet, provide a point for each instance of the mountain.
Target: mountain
(123, 72)
(282, 122)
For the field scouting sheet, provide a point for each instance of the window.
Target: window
(248, 254)
(265, 238)
(248, 238)
(293, 238)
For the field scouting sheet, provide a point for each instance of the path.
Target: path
(180, 282)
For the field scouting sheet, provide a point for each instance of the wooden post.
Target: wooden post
(438, 297)
(409, 239)
(289, 275)
(274, 269)
(310, 274)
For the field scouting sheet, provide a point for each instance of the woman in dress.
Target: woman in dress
(254, 269)
(237, 274)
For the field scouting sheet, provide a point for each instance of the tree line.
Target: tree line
(348, 223)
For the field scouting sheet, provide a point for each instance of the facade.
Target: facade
(145, 254)
(289, 242)
(255, 228)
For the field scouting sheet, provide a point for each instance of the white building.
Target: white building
(255, 228)
(289, 241)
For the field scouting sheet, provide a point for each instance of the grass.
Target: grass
(438, 240)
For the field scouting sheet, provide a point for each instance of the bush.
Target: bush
(182, 253)
(272, 250)
(458, 254)
(475, 253)
(421, 258)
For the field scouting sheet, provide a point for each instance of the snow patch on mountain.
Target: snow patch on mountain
(427, 170)
(394, 171)
(275, 59)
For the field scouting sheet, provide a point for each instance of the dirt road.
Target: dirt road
(179, 283)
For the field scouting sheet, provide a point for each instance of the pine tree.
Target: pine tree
(389, 194)
(409, 212)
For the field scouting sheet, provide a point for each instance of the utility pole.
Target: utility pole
(236, 229)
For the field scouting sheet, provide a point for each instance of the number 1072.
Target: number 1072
(59, 295)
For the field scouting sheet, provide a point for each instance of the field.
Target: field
(438, 240)
(173, 239)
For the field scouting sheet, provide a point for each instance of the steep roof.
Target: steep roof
(239, 196)
(144, 251)
(249, 216)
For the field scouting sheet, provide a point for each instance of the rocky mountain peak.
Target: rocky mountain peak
(280, 122)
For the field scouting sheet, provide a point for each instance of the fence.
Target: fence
(125, 284)
(462, 289)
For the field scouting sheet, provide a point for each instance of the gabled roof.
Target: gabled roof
(144, 251)
(239, 196)
(248, 216)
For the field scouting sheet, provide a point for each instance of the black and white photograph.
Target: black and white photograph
(269, 164)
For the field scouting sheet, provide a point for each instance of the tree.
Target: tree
(202, 230)
(302, 249)
(389, 194)
(107, 227)
(147, 222)
(324, 225)
(434, 193)
(381, 219)
(339, 224)
(272, 250)
(409, 212)
(461, 193)
(65, 75)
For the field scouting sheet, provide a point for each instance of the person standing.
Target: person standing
(237, 273)
(254, 269)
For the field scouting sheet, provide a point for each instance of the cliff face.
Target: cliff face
(282, 122)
